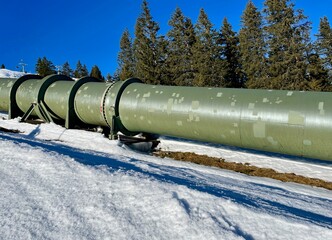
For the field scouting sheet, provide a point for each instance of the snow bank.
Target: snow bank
(5, 73)
(72, 184)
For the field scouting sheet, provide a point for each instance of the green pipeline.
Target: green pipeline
(288, 122)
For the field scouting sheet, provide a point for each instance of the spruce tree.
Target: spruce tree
(323, 44)
(126, 60)
(181, 39)
(147, 47)
(45, 67)
(84, 71)
(109, 78)
(253, 47)
(287, 38)
(316, 74)
(66, 70)
(78, 70)
(81, 70)
(232, 72)
(3, 66)
(96, 73)
(206, 53)
(162, 68)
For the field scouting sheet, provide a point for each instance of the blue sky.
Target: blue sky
(90, 31)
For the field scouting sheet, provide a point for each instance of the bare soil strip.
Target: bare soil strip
(9, 130)
(243, 168)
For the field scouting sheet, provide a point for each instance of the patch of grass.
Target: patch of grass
(243, 168)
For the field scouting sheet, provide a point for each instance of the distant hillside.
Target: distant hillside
(5, 73)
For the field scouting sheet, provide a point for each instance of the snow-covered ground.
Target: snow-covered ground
(5, 73)
(73, 184)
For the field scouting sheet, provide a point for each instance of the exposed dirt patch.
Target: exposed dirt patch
(9, 130)
(243, 168)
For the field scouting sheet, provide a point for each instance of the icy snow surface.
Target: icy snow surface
(5, 73)
(73, 184)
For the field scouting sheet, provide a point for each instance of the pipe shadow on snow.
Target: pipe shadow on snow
(246, 199)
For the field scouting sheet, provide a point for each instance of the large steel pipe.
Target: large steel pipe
(89, 103)
(57, 97)
(5, 86)
(33, 91)
(26, 94)
(290, 122)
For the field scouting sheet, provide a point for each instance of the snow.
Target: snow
(5, 73)
(74, 184)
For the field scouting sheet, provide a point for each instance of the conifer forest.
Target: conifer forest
(273, 49)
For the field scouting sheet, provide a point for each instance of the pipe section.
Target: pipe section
(5, 86)
(57, 97)
(289, 122)
(88, 103)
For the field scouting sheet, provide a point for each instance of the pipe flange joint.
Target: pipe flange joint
(14, 111)
(111, 104)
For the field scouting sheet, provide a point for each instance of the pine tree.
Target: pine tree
(109, 77)
(253, 47)
(323, 44)
(96, 73)
(78, 70)
(66, 70)
(181, 39)
(162, 68)
(45, 67)
(114, 78)
(84, 71)
(126, 60)
(81, 70)
(3, 66)
(232, 72)
(148, 48)
(287, 38)
(206, 53)
(317, 75)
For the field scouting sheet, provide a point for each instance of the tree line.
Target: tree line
(45, 67)
(272, 50)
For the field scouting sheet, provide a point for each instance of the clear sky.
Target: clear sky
(90, 31)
